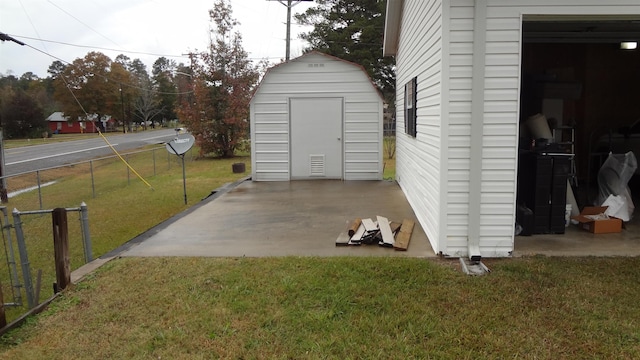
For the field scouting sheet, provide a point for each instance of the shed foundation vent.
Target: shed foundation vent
(316, 162)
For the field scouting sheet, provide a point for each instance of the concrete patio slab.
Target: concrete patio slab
(578, 242)
(297, 218)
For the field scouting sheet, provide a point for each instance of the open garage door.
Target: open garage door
(580, 73)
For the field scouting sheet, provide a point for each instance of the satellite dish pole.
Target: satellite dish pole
(289, 4)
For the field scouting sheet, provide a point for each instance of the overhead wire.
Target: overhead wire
(81, 22)
(100, 48)
(46, 52)
(121, 83)
(86, 114)
(104, 138)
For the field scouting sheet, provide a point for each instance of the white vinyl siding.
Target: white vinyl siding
(436, 45)
(501, 114)
(315, 75)
(419, 166)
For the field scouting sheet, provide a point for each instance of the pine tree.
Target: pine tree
(354, 31)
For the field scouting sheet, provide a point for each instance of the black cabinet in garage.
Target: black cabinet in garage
(542, 187)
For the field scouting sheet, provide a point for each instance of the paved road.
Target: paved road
(30, 158)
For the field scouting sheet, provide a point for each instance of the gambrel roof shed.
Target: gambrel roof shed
(316, 117)
(458, 109)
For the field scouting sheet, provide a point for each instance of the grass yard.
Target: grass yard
(120, 211)
(341, 308)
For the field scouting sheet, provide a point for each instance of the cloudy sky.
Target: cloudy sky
(144, 29)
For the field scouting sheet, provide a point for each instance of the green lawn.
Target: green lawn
(123, 207)
(341, 308)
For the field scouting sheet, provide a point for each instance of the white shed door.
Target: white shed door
(316, 138)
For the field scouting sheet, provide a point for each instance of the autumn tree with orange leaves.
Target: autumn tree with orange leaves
(223, 78)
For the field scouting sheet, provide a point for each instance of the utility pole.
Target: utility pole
(4, 198)
(289, 4)
(124, 123)
(3, 182)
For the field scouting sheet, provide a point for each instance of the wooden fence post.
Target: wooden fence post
(61, 248)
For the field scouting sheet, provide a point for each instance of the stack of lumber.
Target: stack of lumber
(380, 232)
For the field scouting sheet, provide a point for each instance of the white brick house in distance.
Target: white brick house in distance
(316, 117)
(459, 105)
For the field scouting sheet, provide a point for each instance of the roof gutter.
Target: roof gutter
(392, 27)
(477, 126)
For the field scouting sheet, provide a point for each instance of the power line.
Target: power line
(81, 22)
(182, 56)
(107, 78)
(289, 4)
(97, 47)
(5, 37)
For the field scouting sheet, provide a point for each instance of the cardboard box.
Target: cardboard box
(593, 219)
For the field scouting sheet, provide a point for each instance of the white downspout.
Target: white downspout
(477, 126)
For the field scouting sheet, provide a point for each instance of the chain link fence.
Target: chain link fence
(27, 269)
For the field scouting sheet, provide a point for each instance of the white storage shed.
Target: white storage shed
(316, 117)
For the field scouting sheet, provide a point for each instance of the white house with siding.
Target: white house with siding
(316, 117)
(458, 102)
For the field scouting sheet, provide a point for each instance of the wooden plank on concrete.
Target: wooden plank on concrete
(369, 225)
(395, 226)
(359, 233)
(343, 239)
(385, 230)
(404, 236)
(354, 226)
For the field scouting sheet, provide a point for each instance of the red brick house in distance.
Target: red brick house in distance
(60, 124)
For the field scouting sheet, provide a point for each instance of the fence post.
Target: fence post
(61, 248)
(11, 258)
(39, 188)
(24, 258)
(93, 183)
(86, 236)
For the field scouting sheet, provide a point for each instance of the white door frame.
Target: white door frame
(339, 138)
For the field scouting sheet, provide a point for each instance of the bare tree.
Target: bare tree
(147, 104)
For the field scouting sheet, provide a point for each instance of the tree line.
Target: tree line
(210, 95)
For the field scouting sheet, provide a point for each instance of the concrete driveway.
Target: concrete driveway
(304, 218)
(299, 218)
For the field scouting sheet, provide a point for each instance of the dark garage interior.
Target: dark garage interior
(576, 73)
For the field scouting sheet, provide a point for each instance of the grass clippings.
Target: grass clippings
(341, 308)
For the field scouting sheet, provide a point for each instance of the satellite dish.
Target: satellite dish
(181, 144)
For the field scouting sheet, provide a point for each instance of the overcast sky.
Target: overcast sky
(144, 29)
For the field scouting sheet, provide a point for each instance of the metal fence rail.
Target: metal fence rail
(149, 159)
(54, 187)
(22, 245)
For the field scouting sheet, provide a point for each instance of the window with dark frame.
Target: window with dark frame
(410, 117)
